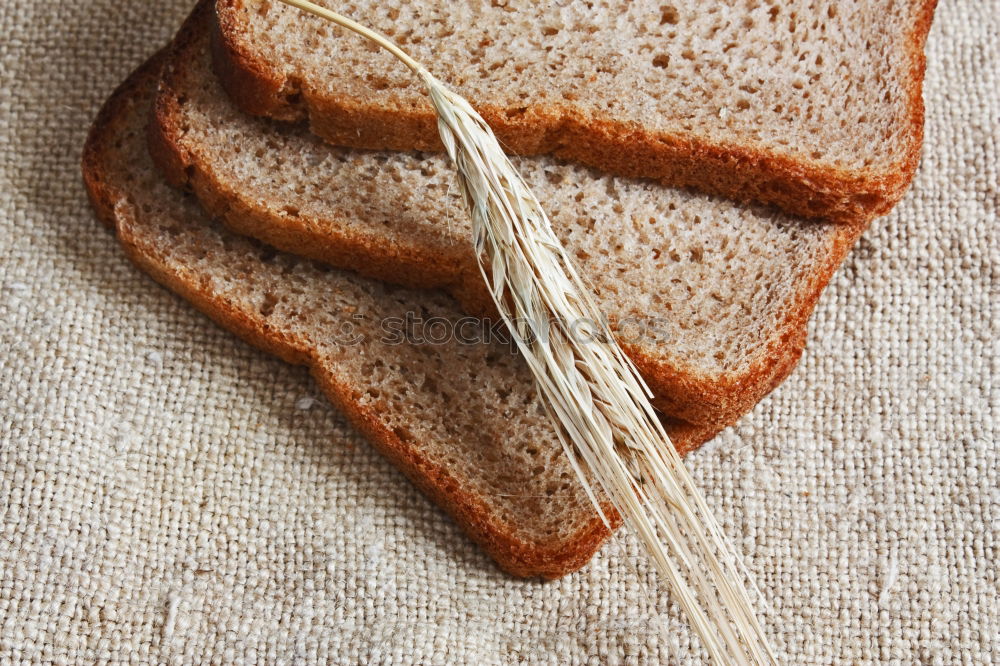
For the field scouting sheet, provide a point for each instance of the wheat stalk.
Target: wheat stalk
(591, 390)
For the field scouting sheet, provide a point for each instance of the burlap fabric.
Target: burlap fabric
(168, 494)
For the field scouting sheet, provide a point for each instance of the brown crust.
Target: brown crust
(679, 391)
(725, 169)
(514, 555)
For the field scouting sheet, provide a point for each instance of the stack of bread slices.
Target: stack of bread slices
(264, 166)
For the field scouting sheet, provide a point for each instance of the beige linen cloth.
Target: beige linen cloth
(170, 495)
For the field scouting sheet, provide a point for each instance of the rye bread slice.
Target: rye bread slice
(813, 106)
(709, 298)
(462, 421)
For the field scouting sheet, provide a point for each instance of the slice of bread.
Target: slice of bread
(709, 298)
(813, 106)
(462, 420)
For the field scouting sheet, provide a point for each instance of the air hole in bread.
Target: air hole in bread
(669, 15)
(270, 302)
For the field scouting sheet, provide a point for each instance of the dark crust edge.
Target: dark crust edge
(679, 391)
(742, 173)
(514, 555)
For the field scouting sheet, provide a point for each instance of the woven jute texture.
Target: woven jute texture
(168, 494)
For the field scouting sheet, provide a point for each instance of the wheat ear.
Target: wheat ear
(592, 391)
